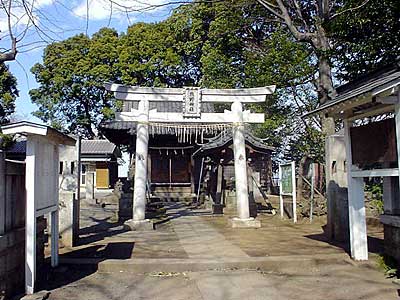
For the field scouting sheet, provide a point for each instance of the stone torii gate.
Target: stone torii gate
(191, 115)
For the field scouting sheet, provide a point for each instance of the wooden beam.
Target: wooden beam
(375, 173)
(387, 87)
(374, 111)
(388, 100)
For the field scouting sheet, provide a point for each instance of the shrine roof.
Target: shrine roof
(97, 147)
(366, 86)
(225, 138)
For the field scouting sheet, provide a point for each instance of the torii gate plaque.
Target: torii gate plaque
(191, 114)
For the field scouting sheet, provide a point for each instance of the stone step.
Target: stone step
(282, 264)
(172, 189)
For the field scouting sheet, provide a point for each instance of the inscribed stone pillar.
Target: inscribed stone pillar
(139, 192)
(239, 150)
(89, 185)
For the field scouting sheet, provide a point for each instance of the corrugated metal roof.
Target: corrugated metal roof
(362, 85)
(97, 147)
(119, 125)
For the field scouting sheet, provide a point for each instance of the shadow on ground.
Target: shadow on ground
(375, 245)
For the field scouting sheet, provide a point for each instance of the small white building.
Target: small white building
(100, 157)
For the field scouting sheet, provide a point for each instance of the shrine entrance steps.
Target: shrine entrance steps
(195, 240)
(172, 194)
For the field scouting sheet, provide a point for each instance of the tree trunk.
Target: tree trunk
(300, 182)
(325, 85)
(88, 125)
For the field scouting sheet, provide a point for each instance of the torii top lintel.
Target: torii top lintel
(244, 95)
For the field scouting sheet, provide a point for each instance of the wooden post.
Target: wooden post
(218, 196)
(76, 206)
(294, 191)
(54, 238)
(312, 191)
(2, 192)
(54, 214)
(397, 120)
(192, 178)
(281, 209)
(30, 230)
(357, 222)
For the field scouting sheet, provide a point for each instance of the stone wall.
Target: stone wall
(12, 259)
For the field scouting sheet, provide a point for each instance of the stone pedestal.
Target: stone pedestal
(244, 223)
(140, 225)
(90, 186)
(218, 209)
(337, 227)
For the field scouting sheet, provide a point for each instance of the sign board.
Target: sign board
(46, 172)
(287, 186)
(374, 143)
(191, 103)
(286, 179)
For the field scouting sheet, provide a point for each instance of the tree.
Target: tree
(8, 94)
(308, 23)
(366, 41)
(70, 95)
(151, 55)
(225, 44)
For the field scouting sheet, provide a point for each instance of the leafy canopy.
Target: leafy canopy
(225, 44)
(8, 94)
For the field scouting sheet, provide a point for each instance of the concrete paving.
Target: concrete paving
(195, 255)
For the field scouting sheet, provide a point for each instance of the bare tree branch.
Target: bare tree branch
(349, 10)
(12, 53)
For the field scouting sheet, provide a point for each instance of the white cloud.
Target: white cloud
(19, 15)
(101, 9)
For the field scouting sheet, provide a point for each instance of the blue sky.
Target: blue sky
(56, 20)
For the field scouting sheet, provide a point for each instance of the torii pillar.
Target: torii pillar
(241, 185)
(139, 221)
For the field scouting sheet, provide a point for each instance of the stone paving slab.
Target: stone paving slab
(198, 256)
(201, 240)
(288, 264)
(334, 283)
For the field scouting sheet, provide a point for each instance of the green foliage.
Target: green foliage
(223, 44)
(70, 95)
(366, 38)
(375, 188)
(6, 141)
(8, 93)
(388, 265)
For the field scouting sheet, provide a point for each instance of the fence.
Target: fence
(12, 213)
(12, 223)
